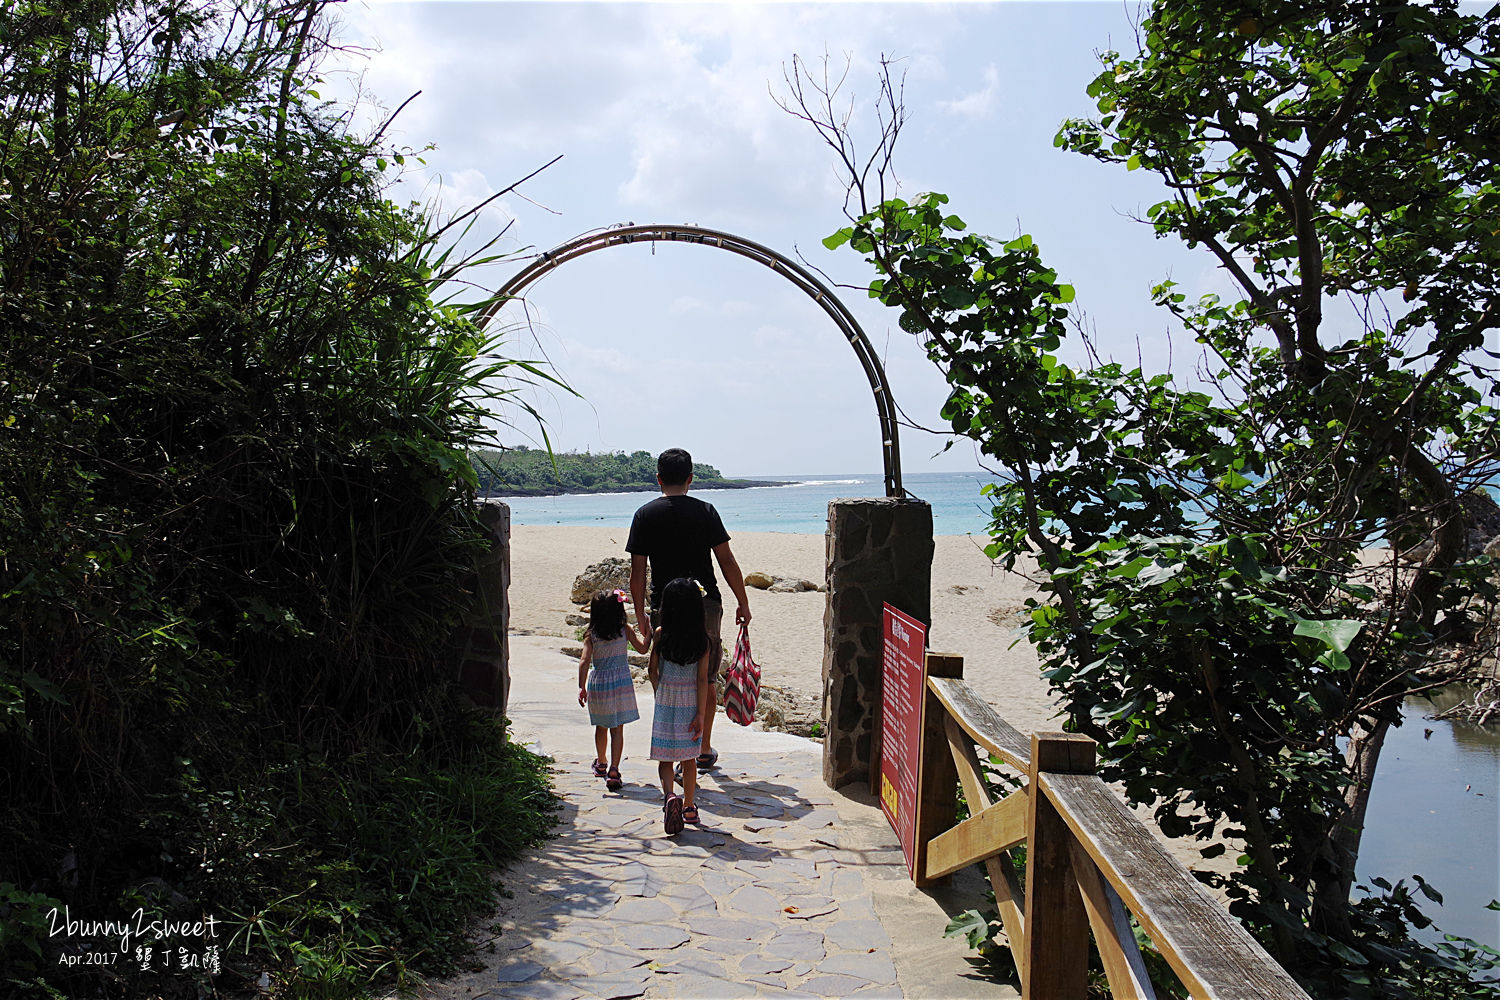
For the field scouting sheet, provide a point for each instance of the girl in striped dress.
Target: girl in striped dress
(608, 690)
(679, 672)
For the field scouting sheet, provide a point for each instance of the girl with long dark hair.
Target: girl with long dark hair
(604, 682)
(678, 671)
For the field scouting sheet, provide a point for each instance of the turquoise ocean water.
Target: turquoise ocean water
(799, 509)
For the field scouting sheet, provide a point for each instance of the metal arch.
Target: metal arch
(885, 407)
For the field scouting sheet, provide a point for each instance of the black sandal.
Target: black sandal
(613, 782)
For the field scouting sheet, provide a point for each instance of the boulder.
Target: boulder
(1482, 519)
(779, 584)
(611, 574)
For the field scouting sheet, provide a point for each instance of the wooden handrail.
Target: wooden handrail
(1091, 863)
(1210, 951)
(977, 718)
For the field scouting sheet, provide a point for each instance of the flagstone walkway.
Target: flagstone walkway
(785, 889)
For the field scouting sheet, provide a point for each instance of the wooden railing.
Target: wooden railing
(1090, 863)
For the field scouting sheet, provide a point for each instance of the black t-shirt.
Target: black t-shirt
(677, 534)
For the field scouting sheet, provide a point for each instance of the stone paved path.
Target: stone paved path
(760, 898)
(785, 889)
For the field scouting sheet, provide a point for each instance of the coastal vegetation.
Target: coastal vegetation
(522, 471)
(237, 523)
(1245, 572)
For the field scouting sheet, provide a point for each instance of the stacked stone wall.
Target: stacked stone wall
(483, 637)
(878, 550)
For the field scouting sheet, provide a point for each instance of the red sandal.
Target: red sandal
(690, 815)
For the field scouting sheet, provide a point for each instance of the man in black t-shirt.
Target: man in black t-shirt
(675, 534)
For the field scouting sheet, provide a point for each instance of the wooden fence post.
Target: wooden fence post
(1057, 925)
(937, 775)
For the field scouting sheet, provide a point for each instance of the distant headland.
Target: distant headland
(529, 472)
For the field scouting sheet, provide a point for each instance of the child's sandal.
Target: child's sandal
(673, 818)
(613, 781)
(599, 769)
(690, 814)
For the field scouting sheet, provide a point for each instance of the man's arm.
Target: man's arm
(736, 580)
(638, 594)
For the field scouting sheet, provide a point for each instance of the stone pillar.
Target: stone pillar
(878, 550)
(483, 636)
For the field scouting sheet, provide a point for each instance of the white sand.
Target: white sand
(969, 597)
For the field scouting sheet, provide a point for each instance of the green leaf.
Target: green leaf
(1335, 659)
(42, 686)
(957, 297)
(1159, 572)
(1346, 953)
(970, 924)
(838, 239)
(1232, 481)
(1335, 633)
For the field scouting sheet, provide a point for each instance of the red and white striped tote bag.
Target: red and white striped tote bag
(742, 686)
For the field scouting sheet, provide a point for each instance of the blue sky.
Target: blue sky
(663, 113)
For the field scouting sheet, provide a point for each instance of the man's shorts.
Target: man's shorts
(713, 620)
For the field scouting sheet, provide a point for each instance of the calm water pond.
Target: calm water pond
(1435, 812)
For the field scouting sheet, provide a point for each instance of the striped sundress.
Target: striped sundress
(676, 704)
(611, 693)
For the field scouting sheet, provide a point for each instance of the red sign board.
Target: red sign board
(904, 676)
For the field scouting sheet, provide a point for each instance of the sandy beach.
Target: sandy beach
(975, 611)
(975, 608)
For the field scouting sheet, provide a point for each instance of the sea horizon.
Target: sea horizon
(799, 507)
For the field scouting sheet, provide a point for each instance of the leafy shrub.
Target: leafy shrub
(237, 520)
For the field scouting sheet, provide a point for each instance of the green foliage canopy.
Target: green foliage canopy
(236, 508)
(522, 471)
(1213, 612)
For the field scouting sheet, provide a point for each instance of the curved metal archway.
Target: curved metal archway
(885, 407)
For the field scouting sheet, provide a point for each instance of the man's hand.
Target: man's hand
(742, 615)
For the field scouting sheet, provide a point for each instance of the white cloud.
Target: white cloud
(662, 113)
(979, 103)
(687, 305)
(461, 191)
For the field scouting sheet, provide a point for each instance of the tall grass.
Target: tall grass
(237, 516)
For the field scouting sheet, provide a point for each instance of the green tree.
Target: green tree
(520, 471)
(1214, 613)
